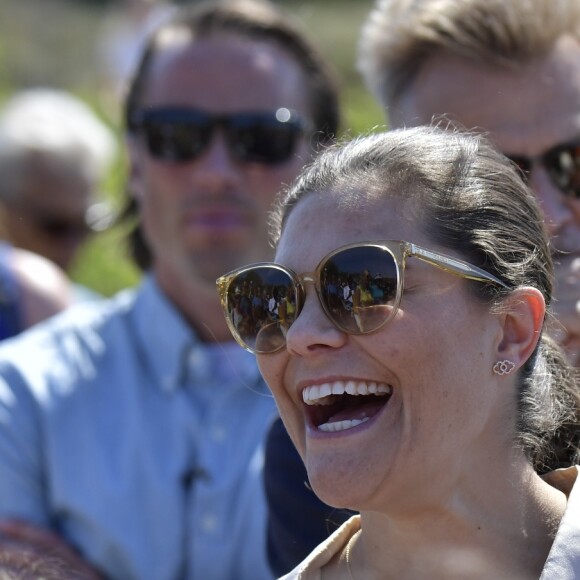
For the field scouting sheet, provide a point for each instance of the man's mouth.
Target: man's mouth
(342, 405)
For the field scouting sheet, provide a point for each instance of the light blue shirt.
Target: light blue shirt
(139, 444)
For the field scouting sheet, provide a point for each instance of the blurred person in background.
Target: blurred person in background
(509, 69)
(32, 289)
(133, 429)
(54, 154)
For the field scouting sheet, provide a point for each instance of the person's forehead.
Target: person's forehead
(225, 73)
(525, 110)
(322, 222)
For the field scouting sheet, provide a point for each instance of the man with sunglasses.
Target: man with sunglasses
(508, 68)
(135, 429)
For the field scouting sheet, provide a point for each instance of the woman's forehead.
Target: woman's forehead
(324, 221)
(352, 210)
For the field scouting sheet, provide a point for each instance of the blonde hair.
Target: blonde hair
(399, 36)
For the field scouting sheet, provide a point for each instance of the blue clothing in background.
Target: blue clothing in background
(11, 319)
(139, 444)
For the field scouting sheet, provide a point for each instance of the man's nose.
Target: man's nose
(215, 167)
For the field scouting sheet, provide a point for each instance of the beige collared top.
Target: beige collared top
(563, 562)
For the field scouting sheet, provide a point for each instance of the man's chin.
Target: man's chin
(232, 237)
(211, 264)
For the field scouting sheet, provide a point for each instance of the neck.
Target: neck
(198, 302)
(465, 536)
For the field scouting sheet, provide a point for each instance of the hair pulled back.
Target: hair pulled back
(467, 197)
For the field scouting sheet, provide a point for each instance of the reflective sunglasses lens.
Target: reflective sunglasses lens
(176, 135)
(359, 288)
(261, 140)
(262, 305)
(563, 166)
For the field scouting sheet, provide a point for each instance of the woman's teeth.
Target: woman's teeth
(321, 394)
(342, 405)
(342, 425)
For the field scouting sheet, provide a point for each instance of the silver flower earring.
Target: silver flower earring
(503, 367)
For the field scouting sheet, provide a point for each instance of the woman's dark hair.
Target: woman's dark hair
(256, 20)
(468, 197)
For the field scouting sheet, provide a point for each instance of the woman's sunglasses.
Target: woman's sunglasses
(359, 287)
(182, 134)
(562, 164)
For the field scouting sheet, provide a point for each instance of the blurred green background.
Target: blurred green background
(54, 43)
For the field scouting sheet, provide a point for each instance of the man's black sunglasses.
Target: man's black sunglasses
(562, 163)
(182, 134)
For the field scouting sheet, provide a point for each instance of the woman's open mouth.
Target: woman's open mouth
(342, 405)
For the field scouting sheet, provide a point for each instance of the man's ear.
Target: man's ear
(522, 315)
(135, 169)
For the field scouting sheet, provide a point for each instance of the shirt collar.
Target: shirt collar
(172, 350)
(164, 336)
(224, 363)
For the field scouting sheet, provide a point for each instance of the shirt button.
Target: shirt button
(209, 523)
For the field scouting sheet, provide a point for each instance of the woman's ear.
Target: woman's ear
(135, 169)
(522, 315)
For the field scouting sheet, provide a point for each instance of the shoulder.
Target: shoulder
(63, 351)
(44, 287)
(563, 562)
(311, 567)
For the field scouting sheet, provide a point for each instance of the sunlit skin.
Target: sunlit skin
(526, 110)
(45, 290)
(205, 217)
(449, 421)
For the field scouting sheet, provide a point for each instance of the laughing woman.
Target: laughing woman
(432, 411)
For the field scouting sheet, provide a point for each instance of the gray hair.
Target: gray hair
(470, 198)
(399, 36)
(57, 126)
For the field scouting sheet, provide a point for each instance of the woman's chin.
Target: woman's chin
(342, 484)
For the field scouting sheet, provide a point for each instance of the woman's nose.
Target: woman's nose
(312, 330)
